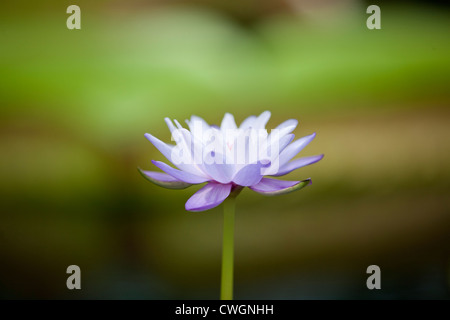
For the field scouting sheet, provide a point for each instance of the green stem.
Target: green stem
(226, 288)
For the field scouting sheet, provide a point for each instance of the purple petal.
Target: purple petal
(208, 197)
(164, 148)
(249, 175)
(284, 142)
(164, 180)
(178, 174)
(221, 172)
(294, 148)
(276, 144)
(273, 154)
(273, 187)
(167, 150)
(297, 163)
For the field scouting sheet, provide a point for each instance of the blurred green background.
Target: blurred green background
(75, 105)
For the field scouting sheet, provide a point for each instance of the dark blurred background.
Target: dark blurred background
(75, 105)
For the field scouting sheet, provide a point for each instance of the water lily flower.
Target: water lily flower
(229, 158)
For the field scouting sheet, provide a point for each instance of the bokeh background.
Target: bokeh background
(75, 105)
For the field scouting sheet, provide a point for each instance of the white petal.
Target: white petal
(261, 121)
(192, 151)
(169, 124)
(197, 126)
(287, 127)
(197, 120)
(177, 124)
(228, 123)
(247, 123)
